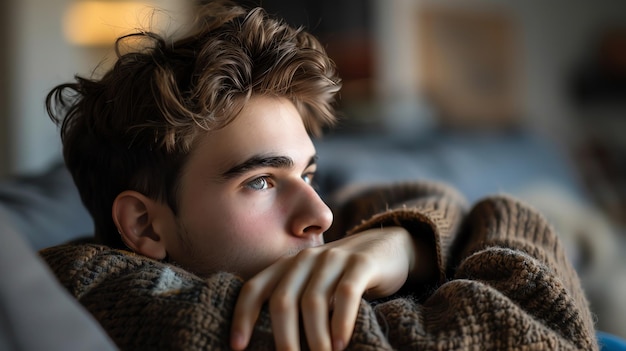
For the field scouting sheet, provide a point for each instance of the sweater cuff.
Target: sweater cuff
(423, 231)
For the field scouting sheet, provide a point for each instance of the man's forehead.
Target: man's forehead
(267, 132)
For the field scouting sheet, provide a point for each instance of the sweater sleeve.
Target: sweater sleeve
(505, 281)
(508, 246)
(145, 304)
(431, 212)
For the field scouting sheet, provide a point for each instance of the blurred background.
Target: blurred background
(556, 68)
(523, 97)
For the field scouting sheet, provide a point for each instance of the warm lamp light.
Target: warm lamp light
(99, 23)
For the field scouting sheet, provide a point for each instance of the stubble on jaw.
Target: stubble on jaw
(196, 260)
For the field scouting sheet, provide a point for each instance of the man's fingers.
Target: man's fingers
(316, 299)
(347, 297)
(251, 298)
(306, 285)
(283, 304)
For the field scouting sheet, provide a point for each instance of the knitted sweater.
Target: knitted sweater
(503, 283)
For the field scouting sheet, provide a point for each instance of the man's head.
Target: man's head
(160, 143)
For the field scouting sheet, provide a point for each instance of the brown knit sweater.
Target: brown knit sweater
(504, 283)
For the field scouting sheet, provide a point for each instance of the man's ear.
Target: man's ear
(135, 216)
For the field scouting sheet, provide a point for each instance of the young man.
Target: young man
(195, 154)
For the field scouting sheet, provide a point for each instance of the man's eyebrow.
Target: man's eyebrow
(260, 161)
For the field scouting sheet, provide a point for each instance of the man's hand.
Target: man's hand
(317, 281)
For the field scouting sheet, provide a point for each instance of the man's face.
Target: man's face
(245, 196)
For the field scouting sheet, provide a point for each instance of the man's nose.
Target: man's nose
(309, 214)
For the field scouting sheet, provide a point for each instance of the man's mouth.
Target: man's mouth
(305, 245)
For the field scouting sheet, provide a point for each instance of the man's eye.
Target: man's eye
(259, 183)
(308, 178)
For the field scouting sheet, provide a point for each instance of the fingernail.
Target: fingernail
(338, 345)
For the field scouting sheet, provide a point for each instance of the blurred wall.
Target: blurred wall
(559, 34)
(4, 71)
(37, 58)
(553, 36)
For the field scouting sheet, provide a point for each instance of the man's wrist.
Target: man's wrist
(421, 255)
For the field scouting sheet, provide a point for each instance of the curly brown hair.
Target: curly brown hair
(133, 128)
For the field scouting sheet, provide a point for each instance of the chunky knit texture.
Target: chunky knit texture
(503, 283)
